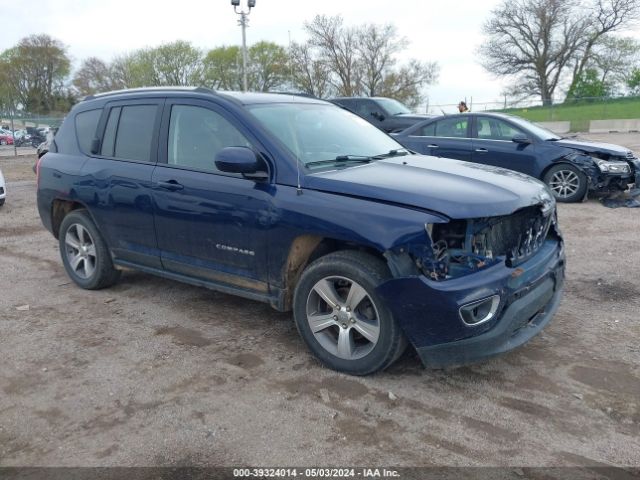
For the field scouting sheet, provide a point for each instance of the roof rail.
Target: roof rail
(147, 89)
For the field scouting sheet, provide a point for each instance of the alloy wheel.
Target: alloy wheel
(343, 318)
(564, 183)
(80, 251)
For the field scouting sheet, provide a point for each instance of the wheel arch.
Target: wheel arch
(60, 208)
(307, 248)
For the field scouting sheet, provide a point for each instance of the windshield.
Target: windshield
(317, 133)
(393, 107)
(540, 132)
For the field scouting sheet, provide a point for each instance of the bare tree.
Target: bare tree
(406, 83)
(338, 48)
(309, 73)
(93, 76)
(532, 41)
(377, 46)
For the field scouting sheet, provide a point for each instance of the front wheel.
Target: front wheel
(84, 253)
(567, 183)
(340, 316)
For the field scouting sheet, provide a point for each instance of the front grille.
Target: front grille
(519, 235)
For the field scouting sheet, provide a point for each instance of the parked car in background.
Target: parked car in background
(303, 205)
(570, 167)
(3, 189)
(6, 139)
(387, 114)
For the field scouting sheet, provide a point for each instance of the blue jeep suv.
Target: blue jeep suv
(303, 205)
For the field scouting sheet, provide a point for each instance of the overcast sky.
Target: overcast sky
(448, 32)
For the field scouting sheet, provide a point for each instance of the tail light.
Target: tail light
(37, 168)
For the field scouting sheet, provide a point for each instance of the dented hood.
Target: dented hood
(593, 147)
(454, 188)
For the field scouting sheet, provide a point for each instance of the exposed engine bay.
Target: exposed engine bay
(461, 247)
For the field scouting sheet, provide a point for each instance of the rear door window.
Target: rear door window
(453, 127)
(129, 132)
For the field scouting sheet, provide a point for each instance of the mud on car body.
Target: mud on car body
(570, 167)
(303, 205)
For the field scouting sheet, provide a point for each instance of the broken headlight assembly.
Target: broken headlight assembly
(612, 166)
(461, 247)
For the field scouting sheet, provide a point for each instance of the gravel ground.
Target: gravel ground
(153, 372)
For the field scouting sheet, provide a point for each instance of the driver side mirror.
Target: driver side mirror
(241, 160)
(521, 138)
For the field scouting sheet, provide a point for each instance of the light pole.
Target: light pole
(243, 22)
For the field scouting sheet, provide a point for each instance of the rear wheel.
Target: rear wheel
(342, 319)
(85, 255)
(567, 183)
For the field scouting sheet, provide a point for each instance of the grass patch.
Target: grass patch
(582, 112)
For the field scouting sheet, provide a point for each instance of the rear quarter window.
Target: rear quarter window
(86, 125)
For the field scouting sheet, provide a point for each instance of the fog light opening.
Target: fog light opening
(480, 311)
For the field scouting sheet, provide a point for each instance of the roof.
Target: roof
(243, 98)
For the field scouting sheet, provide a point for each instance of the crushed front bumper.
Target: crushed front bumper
(428, 311)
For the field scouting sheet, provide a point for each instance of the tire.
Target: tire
(338, 342)
(2, 201)
(567, 183)
(90, 267)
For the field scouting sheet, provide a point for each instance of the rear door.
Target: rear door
(116, 184)
(448, 137)
(493, 145)
(210, 224)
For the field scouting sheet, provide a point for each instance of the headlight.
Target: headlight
(607, 166)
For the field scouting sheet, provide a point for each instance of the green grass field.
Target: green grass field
(580, 113)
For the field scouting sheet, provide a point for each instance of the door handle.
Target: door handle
(432, 146)
(172, 185)
(481, 150)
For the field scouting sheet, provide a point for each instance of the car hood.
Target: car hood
(454, 188)
(593, 147)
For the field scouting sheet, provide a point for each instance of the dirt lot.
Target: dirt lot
(153, 372)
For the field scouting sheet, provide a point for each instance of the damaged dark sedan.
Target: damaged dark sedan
(572, 168)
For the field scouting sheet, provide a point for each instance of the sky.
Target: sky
(448, 32)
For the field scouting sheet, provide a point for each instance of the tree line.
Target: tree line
(547, 47)
(335, 60)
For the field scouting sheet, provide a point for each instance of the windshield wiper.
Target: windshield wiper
(400, 152)
(342, 159)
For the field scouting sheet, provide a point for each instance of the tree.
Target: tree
(222, 68)
(405, 84)
(268, 66)
(93, 76)
(310, 74)
(542, 44)
(604, 18)
(360, 60)
(532, 41)
(377, 46)
(614, 58)
(35, 70)
(177, 63)
(590, 85)
(337, 46)
(633, 82)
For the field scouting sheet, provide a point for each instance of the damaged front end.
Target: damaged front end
(607, 173)
(461, 247)
(477, 287)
